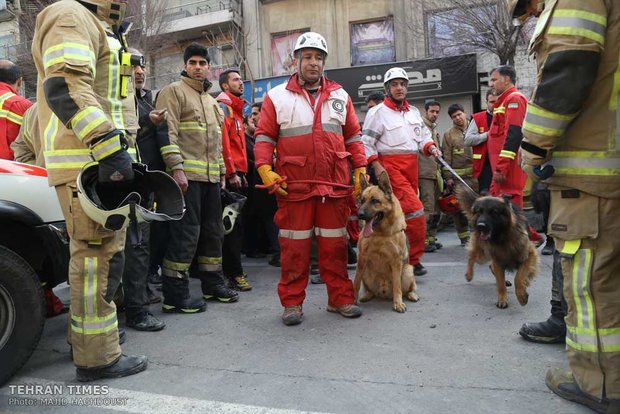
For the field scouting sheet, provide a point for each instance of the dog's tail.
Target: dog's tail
(466, 200)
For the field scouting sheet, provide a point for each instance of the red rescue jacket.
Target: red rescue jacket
(479, 152)
(316, 138)
(233, 134)
(12, 108)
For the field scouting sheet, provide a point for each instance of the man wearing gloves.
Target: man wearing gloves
(311, 123)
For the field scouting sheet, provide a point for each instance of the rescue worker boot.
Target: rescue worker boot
(144, 321)
(562, 383)
(292, 315)
(123, 367)
(549, 247)
(351, 256)
(221, 293)
(419, 270)
(429, 246)
(350, 310)
(177, 299)
(551, 331)
(240, 283)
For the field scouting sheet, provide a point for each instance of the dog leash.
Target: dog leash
(447, 167)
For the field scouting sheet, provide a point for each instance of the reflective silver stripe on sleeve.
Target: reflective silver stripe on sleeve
(265, 138)
(371, 133)
(356, 138)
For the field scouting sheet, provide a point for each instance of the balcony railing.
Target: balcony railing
(201, 7)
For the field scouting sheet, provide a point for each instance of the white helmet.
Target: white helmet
(152, 196)
(311, 40)
(395, 73)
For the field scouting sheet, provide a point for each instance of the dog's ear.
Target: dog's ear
(384, 184)
(507, 198)
(363, 182)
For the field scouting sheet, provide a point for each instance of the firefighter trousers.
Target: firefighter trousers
(403, 173)
(299, 221)
(136, 270)
(586, 230)
(199, 234)
(95, 270)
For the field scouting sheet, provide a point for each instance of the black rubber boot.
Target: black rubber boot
(123, 367)
(551, 331)
(145, 321)
(177, 299)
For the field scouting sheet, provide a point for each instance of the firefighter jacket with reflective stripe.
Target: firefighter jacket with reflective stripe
(573, 121)
(194, 126)
(233, 133)
(12, 108)
(81, 84)
(27, 146)
(505, 137)
(390, 132)
(456, 154)
(316, 138)
(476, 138)
(427, 166)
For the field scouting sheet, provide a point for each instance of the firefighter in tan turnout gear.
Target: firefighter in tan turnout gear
(85, 100)
(572, 141)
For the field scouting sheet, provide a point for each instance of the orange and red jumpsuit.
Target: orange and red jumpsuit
(12, 108)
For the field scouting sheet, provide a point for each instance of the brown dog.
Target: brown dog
(500, 235)
(383, 263)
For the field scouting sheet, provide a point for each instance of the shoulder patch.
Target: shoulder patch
(226, 110)
(513, 105)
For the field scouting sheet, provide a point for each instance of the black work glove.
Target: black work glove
(116, 168)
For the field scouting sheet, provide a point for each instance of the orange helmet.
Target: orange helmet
(448, 204)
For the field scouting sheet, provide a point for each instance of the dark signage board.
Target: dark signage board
(428, 78)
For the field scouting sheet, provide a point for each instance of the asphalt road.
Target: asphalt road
(453, 351)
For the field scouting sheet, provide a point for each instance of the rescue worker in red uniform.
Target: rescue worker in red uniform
(310, 121)
(236, 161)
(572, 142)
(393, 134)
(12, 106)
(476, 137)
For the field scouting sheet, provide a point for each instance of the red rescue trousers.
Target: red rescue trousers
(403, 172)
(353, 226)
(299, 221)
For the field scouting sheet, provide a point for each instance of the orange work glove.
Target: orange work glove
(272, 179)
(357, 182)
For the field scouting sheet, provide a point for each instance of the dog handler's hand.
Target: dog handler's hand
(435, 152)
(272, 179)
(357, 182)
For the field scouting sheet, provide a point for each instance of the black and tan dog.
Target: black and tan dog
(383, 263)
(499, 235)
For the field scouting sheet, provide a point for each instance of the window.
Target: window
(282, 45)
(372, 42)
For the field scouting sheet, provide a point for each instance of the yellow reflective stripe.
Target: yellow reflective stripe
(296, 234)
(70, 158)
(582, 262)
(114, 81)
(11, 116)
(106, 148)
(191, 126)
(543, 122)
(464, 171)
(499, 110)
(93, 325)
(581, 339)
(51, 129)
(570, 247)
(87, 120)
(69, 51)
(579, 23)
(90, 286)
(610, 339)
(463, 234)
(169, 149)
(457, 151)
(507, 154)
(201, 167)
(181, 267)
(596, 163)
(339, 232)
(209, 260)
(477, 156)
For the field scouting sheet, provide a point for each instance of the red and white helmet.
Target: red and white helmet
(311, 40)
(448, 204)
(395, 73)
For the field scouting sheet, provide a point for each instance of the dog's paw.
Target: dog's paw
(469, 276)
(399, 307)
(502, 304)
(523, 298)
(412, 296)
